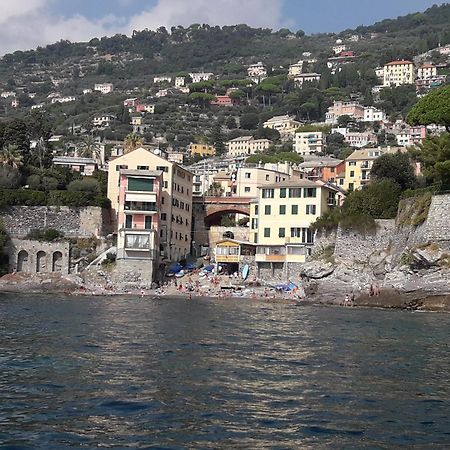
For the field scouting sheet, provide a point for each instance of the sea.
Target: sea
(148, 373)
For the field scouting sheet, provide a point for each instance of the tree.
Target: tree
(9, 178)
(215, 190)
(90, 148)
(395, 167)
(434, 155)
(217, 140)
(132, 142)
(344, 120)
(249, 121)
(230, 122)
(10, 156)
(88, 185)
(434, 108)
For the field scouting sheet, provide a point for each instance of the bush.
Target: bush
(9, 178)
(45, 235)
(91, 185)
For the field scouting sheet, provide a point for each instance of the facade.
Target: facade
(162, 79)
(285, 125)
(411, 135)
(257, 72)
(307, 143)
(397, 73)
(246, 145)
(197, 77)
(339, 48)
(223, 100)
(103, 121)
(138, 218)
(104, 88)
(360, 140)
(281, 219)
(372, 114)
(302, 78)
(231, 254)
(329, 170)
(84, 166)
(426, 71)
(202, 150)
(295, 69)
(180, 82)
(338, 109)
(63, 99)
(176, 198)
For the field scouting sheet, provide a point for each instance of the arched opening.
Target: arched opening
(230, 215)
(57, 262)
(40, 261)
(22, 260)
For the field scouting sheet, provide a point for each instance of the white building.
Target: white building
(372, 114)
(162, 79)
(302, 78)
(104, 88)
(87, 91)
(6, 94)
(360, 140)
(103, 120)
(38, 106)
(180, 82)
(257, 72)
(397, 73)
(285, 125)
(63, 99)
(427, 71)
(296, 69)
(339, 48)
(246, 145)
(308, 143)
(197, 77)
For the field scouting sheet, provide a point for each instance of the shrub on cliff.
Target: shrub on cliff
(45, 235)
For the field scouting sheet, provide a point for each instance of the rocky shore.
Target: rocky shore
(319, 292)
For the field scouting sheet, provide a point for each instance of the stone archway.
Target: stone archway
(22, 260)
(41, 263)
(57, 263)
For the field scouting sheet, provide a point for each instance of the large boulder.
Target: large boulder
(317, 270)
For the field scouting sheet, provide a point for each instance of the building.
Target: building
(223, 100)
(410, 135)
(87, 91)
(201, 150)
(175, 157)
(426, 71)
(104, 88)
(139, 220)
(359, 140)
(309, 142)
(296, 69)
(280, 223)
(338, 109)
(197, 77)
(180, 82)
(339, 48)
(423, 86)
(302, 78)
(231, 255)
(176, 199)
(246, 145)
(84, 166)
(397, 73)
(103, 121)
(327, 169)
(63, 99)
(372, 114)
(162, 79)
(7, 94)
(257, 72)
(285, 125)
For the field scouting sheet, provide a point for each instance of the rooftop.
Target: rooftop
(398, 63)
(292, 184)
(141, 173)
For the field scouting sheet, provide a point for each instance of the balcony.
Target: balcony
(140, 207)
(270, 254)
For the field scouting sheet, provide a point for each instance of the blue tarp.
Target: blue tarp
(175, 268)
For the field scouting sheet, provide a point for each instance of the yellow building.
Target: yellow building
(176, 198)
(397, 73)
(281, 218)
(231, 254)
(202, 150)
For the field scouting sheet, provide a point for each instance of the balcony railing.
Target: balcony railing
(140, 207)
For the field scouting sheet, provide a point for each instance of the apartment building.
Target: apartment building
(180, 82)
(338, 109)
(296, 69)
(103, 121)
(139, 220)
(397, 73)
(162, 79)
(426, 71)
(201, 150)
(355, 139)
(302, 78)
(104, 88)
(246, 145)
(197, 77)
(285, 125)
(176, 198)
(308, 143)
(327, 169)
(410, 135)
(257, 72)
(372, 114)
(280, 223)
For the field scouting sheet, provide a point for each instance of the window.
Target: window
(296, 232)
(351, 186)
(121, 167)
(148, 222)
(137, 241)
(255, 240)
(248, 175)
(165, 184)
(295, 193)
(163, 168)
(247, 189)
(140, 184)
(142, 167)
(267, 177)
(311, 210)
(352, 163)
(294, 210)
(256, 210)
(267, 232)
(283, 193)
(352, 173)
(282, 210)
(128, 221)
(164, 217)
(310, 192)
(341, 182)
(254, 224)
(268, 193)
(332, 169)
(281, 232)
(163, 200)
(267, 210)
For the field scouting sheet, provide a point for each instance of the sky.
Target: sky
(25, 24)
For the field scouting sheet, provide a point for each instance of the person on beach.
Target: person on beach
(346, 300)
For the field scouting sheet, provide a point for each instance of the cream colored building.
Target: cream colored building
(302, 78)
(308, 143)
(281, 218)
(426, 72)
(397, 73)
(246, 145)
(176, 199)
(285, 125)
(296, 69)
(104, 88)
(201, 149)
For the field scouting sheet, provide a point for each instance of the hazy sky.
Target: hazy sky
(27, 23)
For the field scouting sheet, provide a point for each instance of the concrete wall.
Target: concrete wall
(73, 222)
(38, 257)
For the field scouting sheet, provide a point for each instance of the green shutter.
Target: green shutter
(140, 184)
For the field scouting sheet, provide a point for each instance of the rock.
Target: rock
(317, 269)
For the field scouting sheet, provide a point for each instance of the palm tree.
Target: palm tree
(132, 142)
(10, 156)
(90, 148)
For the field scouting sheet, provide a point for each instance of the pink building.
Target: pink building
(338, 109)
(138, 220)
(223, 100)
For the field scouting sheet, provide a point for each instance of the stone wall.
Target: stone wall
(438, 221)
(38, 257)
(216, 234)
(73, 222)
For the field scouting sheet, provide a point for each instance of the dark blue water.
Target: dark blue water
(220, 374)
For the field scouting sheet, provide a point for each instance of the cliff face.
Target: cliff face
(408, 254)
